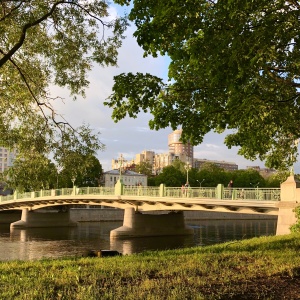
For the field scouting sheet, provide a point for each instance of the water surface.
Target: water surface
(38, 243)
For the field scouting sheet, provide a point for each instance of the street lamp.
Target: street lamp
(73, 180)
(121, 166)
(187, 167)
(200, 182)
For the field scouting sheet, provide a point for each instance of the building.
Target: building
(7, 158)
(181, 151)
(177, 150)
(129, 178)
(145, 156)
(229, 166)
(264, 172)
(123, 163)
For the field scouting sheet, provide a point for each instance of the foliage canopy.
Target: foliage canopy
(234, 65)
(44, 43)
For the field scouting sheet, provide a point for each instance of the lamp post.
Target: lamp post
(121, 165)
(187, 167)
(200, 182)
(292, 170)
(73, 180)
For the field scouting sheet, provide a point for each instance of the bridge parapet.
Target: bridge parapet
(258, 194)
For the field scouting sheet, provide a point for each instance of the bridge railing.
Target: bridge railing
(95, 191)
(258, 194)
(261, 194)
(206, 192)
(151, 191)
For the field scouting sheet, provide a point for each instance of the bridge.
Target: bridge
(138, 200)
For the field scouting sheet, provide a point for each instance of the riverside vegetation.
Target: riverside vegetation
(258, 268)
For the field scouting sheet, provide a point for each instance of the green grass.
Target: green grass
(259, 268)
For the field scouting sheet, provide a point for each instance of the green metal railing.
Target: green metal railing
(151, 191)
(256, 194)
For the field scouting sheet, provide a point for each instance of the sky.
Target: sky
(132, 136)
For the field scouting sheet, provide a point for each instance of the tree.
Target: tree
(213, 175)
(33, 172)
(144, 167)
(247, 178)
(45, 43)
(84, 170)
(234, 65)
(171, 177)
(76, 158)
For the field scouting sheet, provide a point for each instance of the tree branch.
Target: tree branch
(10, 12)
(27, 26)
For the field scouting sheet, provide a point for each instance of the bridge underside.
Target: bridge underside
(150, 204)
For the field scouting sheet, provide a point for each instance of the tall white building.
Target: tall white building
(7, 158)
(181, 151)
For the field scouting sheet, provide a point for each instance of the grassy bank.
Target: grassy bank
(259, 268)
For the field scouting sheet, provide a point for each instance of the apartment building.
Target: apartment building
(181, 151)
(229, 166)
(177, 150)
(7, 158)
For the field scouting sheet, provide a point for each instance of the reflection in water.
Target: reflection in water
(37, 243)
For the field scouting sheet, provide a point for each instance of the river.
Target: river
(38, 243)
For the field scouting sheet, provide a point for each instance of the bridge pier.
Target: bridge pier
(137, 224)
(290, 199)
(33, 218)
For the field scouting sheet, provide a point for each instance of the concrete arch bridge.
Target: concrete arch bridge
(136, 201)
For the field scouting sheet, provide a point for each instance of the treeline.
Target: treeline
(211, 175)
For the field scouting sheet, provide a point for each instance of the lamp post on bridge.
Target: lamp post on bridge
(200, 182)
(187, 168)
(121, 166)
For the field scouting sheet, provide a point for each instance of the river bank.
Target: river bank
(258, 268)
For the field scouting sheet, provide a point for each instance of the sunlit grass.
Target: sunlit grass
(212, 272)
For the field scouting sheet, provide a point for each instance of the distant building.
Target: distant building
(177, 150)
(229, 166)
(129, 178)
(125, 164)
(181, 151)
(145, 156)
(264, 172)
(7, 158)
(4, 191)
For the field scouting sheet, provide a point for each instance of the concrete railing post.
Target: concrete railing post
(290, 199)
(162, 190)
(74, 190)
(119, 187)
(220, 191)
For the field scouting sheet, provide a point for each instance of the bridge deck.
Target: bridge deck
(152, 198)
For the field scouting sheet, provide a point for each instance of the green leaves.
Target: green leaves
(45, 43)
(234, 65)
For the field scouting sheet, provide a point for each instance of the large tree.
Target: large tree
(233, 65)
(45, 43)
(31, 173)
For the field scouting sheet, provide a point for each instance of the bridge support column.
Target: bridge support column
(30, 218)
(290, 199)
(137, 224)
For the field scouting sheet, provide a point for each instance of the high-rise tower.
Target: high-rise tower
(184, 152)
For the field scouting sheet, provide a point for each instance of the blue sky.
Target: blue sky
(131, 136)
